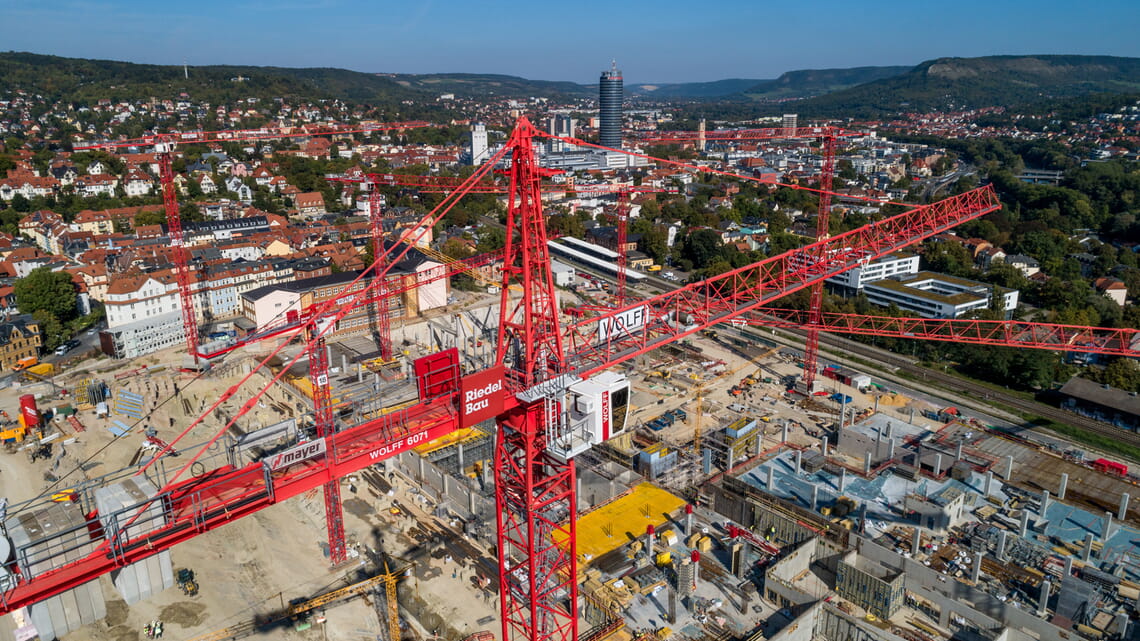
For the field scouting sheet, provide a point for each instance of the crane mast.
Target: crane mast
(822, 231)
(534, 490)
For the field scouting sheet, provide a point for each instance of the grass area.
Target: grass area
(1099, 441)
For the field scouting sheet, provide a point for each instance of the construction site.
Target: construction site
(525, 465)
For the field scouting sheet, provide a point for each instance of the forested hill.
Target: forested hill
(85, 81)
(964, 83)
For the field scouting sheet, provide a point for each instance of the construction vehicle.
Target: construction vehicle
(304, 612)
(186, 582)
(25, 363)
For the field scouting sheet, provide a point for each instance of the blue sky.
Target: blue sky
(662, 41)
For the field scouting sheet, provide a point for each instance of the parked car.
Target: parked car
(66, 347)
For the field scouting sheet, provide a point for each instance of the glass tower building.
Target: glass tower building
(609, 108)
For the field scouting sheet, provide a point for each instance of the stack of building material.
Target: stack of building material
(118, 504)
(43, 540)
(129, 404)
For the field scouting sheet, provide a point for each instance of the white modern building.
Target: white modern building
(563, 274)
(932, 295)
(898, 264)
(480, 151)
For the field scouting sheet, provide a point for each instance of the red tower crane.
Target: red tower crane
(164, 144)
(547, 390)
(828, 137)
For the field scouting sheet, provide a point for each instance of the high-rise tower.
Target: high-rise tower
(609, 108)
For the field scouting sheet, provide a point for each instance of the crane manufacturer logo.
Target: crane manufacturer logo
(296, 454)
(623, 324)
(605, 415)
(481, 396)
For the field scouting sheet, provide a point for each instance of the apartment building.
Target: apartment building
(19, 338)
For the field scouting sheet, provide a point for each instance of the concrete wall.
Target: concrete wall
(778, 586)
(826, 622)
(856, 445)
(955, 597)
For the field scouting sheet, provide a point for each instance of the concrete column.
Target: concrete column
(689, 519)
(799, 461)
(814, 497)
(823, 444)
(1064, 486)
(1106, 531)
(958, 455)
(771, 477)
(867, 464)
(344, 363)
(471, 500)
(444, 478)
(784, 433)
(1044, 504)
(1086, 553)
(888, 434)
(1043, 600)
(989, 482)
(1122, 511)
(1003, 536)
(891, 448)
(976, 570)
(937, 465)
(1068, 566)
(375, 381)
(459, 455)
(1023, 528)
(1008, 468)
(360, 372)
(876, 403)
(916, 541)
(842, 478)
(759, 442)
(420, 463)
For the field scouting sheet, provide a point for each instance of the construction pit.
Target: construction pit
(735, 434)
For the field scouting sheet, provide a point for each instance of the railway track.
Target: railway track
(982, 394)
(964, 386)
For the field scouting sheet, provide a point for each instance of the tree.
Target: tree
(566, 225)
(455, 248)
(151, 217)
(1121, 373)
(51, 330)
(702, 246)
(490, 239)
(655, 243)
(43, 289)
(20, 203)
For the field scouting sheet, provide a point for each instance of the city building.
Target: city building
(790, 123)
(480, 151)
(268, 306)
(563, 273)
(609, 108)
(932, 295)
(853, 280)
(19, 338)
(1101, 402)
